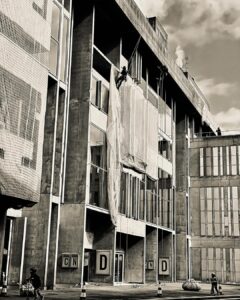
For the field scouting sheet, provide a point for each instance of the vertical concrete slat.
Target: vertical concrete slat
(23, 250)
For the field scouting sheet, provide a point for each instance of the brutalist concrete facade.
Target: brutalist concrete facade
(76, 233)
(24, 47)
(214, 193)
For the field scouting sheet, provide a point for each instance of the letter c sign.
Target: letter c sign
(103, 262)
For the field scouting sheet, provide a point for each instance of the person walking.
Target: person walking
(36, 283)
(214, 284)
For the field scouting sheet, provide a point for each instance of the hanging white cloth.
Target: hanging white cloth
(139, 120)
(134, 124)
(113, 148)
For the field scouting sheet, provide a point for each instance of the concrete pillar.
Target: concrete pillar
(3, 217)
(71, 233)
(79, 108)
(151, 254)
(181, 191)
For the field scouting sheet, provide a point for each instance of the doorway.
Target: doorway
(119, 267)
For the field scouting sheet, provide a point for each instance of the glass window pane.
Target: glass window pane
(98, 147)
(67, 4)
(55, 22)
(215, 161)
(64, 49)
(53, 57)
(104, 98)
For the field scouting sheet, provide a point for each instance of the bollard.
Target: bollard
(159, 292)
(220, 290)
(4, 286)
(83, 295)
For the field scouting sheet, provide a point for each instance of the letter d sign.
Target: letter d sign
(163, 266)
(103, 262)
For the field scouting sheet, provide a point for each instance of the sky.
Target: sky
(208, 31)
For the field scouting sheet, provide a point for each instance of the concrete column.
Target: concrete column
(181, 190)
(3, 217)
(151, 253)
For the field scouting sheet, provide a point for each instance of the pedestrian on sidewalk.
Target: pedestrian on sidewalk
(36, 283)
(214, 284)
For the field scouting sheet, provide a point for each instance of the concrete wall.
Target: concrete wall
(165, 250)
(134, 260)
(71, 235)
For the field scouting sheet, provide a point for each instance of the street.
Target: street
(133, 292)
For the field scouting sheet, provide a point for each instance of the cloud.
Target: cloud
(229, 120)
(196, 22)
(210, 87)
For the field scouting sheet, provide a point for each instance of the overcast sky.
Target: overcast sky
(209, 33)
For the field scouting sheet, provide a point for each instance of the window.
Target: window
(165, 199)
(221, 160)
(165, 117)
(209, 161)
(64, 53)
(233, 160)
(55, 35)
(151, 201)
(1, 153)
(132, 196)
(201, 162)
(136, 67)
(227, 161)
(203, 210)
(165, 148)
(100, 92)
(215, 161)
(59, 33)
(98, 173)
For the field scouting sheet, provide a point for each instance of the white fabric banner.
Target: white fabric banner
(113, 148)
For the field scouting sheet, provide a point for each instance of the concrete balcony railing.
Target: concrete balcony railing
(147, 33)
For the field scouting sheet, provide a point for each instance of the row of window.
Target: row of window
(219, 161)
(219, 208)
(141, 198)
(225, 263)
(100, 98)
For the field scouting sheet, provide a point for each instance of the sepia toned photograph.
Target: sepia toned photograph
(119, 149)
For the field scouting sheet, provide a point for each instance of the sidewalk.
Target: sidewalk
(134, 292)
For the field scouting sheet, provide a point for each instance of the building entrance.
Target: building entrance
(119, 267)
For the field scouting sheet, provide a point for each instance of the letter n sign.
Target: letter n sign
(163, 266)
(103, 262)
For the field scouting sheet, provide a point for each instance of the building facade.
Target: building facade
(24, 51)
(114, 197)
(214, 197)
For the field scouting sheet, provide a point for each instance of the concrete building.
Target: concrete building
(214, 193)
(115, 185)
(24, 47)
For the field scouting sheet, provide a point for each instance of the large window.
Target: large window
(151, 201)
(165, 148)
(165, 203)
(219, 211)
(219, 161)
(100, 92)
(132, 198)
(98, 173)
(59, 41)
